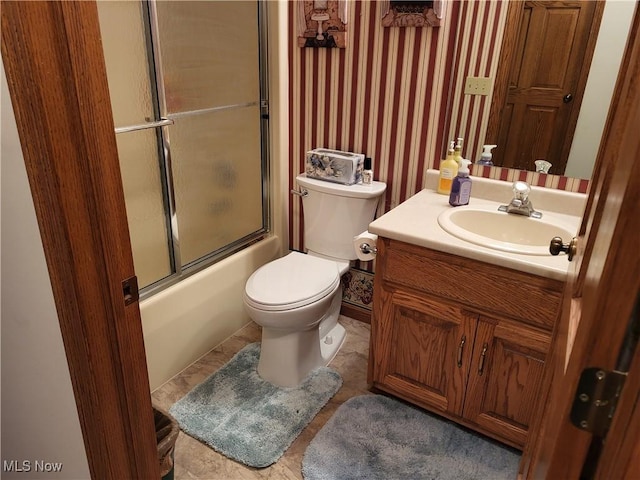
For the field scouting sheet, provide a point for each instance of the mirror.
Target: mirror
(470, 113)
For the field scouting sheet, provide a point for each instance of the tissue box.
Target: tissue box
(334, 166)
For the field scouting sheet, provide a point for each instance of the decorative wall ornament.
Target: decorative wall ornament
(322, 23)
(412, 13)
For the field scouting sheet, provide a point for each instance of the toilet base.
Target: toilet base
(332, 343)
(287, 357)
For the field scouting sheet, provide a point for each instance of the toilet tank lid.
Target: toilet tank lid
(294, 280)
(358, 190)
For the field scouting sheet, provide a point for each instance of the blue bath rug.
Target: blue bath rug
(375, 437)
(248, 419)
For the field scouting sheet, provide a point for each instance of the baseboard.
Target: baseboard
(357, 313)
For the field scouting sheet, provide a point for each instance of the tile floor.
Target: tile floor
(194, 460)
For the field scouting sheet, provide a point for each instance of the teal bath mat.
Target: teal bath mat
(375, 437)
(248, 419)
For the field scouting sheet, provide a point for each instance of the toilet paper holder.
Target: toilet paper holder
(367, 249)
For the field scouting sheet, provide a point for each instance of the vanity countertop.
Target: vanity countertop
(415, 221)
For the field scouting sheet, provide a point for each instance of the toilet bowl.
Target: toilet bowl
(296, 299)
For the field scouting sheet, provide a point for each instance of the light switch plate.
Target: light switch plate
(477, 86)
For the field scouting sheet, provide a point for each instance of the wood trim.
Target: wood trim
(357, 313)
(607, 298)
(605, 157)
(54, 64)
(610, 286)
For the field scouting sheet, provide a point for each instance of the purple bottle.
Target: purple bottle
(461, 186)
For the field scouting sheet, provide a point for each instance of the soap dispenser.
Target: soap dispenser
(457, 155)
(485, 157)
(461, 186)
(448, 171)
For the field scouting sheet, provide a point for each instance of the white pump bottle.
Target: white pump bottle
(485, 157)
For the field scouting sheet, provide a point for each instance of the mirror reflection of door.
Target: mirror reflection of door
(544, 64)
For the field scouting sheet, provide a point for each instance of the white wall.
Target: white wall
(612, 38)
(187, 320)
(39, 418)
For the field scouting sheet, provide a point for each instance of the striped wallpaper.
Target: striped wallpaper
(387, 95)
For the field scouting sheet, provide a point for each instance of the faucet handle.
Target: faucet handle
(542, 166)
(521, 190)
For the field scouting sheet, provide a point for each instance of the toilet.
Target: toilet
(296, 299)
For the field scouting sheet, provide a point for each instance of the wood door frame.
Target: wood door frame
(616, 166)
(54, 64)
(501, 84)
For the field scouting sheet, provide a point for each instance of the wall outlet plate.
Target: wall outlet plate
(477, 86)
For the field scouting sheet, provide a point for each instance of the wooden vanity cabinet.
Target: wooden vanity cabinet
(460, 337)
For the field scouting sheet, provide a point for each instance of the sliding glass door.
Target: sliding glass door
(189, 98)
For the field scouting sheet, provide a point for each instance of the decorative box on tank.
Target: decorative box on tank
(334, 166)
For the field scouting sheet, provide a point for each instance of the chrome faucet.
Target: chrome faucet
(520, 203)
(542, 166)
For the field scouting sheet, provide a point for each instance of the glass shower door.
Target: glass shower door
(127, 59)
(209, 63)
(188, 91)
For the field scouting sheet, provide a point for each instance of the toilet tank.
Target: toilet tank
(335, 213)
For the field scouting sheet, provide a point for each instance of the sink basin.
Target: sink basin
(504, 231)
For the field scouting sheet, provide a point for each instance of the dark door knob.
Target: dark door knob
(556, 246)
(567, 98)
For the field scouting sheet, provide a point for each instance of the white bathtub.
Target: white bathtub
(188, 319)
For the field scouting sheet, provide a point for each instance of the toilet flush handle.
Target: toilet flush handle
(301, 193)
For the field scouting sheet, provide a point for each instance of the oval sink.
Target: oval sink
(503, 231)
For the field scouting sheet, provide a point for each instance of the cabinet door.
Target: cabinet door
(506, 371)
(422, 350)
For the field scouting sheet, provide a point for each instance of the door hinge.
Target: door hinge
(130, 290)
(596, 399)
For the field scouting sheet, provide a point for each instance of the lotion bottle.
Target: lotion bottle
(448, 171)
(486, 157)
(461, 186)
(457, 153)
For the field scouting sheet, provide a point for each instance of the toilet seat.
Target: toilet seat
(292, 281)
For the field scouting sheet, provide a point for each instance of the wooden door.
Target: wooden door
(544, 64)
(599, 301)
(506, 374)
(54, 64)
(423, 348)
